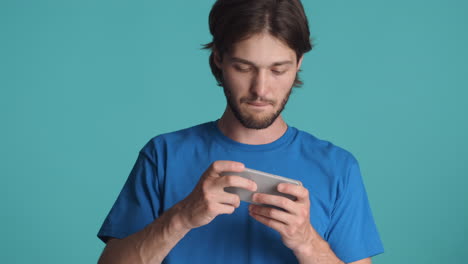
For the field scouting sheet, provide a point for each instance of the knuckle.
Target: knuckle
(205, 185)
(230, 180)
(283, 203)
(207, 197)
(271, 213)
(215, 166)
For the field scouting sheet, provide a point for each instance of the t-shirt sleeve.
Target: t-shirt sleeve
(137, 204)
(352, 234)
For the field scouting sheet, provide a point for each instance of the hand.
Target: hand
(293, 224)
(208, 199)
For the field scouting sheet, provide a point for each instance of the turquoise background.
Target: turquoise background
(85, 84)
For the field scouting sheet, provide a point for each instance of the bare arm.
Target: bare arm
(320, 252)
(293, 224)
(150, 245)
(207, 200)
(363, 261)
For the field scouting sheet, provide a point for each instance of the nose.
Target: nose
(259, 85)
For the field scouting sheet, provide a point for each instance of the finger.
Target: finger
(275, 200)
(237, 181)
(300, 192)
(226, 209)
(226, 165)
(278, 226)
(230, 199)
(272, 213)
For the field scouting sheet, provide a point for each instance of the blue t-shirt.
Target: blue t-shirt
(169, 166)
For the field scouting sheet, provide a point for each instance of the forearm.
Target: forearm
(149, 246)
(317, 251)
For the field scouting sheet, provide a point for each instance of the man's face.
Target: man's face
(258, 75)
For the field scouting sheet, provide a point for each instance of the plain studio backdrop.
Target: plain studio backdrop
(85, 84)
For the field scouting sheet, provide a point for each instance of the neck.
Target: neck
(232, 128)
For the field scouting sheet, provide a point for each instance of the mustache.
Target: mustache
(257, 99)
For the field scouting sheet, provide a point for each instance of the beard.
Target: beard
(250, 120)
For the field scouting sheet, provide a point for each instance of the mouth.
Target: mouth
(258, 103)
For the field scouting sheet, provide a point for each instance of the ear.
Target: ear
(299, 63)
(217, 58)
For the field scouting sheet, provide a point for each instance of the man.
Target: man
(173, 207)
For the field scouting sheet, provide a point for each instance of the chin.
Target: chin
(257, 121)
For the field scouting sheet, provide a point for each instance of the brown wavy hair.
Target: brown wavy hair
(232, 21)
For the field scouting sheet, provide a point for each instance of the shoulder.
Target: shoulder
(177, 139)
(339, 164)
(309, 144)
(184, 134)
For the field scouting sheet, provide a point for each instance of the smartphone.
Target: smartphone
(266, 183)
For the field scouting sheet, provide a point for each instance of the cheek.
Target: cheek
(236, 81)
(284, 82)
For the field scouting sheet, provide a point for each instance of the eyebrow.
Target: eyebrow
(279, 63)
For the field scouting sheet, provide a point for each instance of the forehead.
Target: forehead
(263, 49)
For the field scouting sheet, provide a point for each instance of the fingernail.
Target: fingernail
(280, 187)
(254, 186)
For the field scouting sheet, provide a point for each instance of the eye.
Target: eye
(242, 68)
(278, 72)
